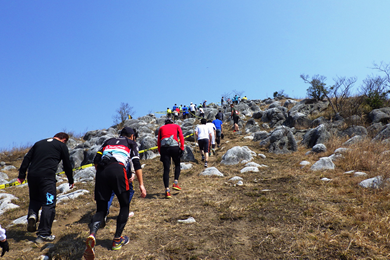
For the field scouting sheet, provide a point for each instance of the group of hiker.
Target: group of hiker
(235, 100)
(117, 163)
(186, 112)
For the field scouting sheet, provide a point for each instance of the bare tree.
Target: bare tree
(375, 90)
(238, 93)
(385, 68)
(123, 113)
(317, 89)
(341, 92)
(230, 95)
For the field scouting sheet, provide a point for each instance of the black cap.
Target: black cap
(127, 131)
(168, 121)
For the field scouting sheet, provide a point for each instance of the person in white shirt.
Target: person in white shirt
(192, 110)
(201, 112)
(3, 241)
(212, 140)
(203, 133)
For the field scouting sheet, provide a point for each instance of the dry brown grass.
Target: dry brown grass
(281, 212)
(14, 154)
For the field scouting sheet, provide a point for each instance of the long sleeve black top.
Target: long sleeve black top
(43, 158)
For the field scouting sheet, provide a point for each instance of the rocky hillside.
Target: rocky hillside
(294, 182)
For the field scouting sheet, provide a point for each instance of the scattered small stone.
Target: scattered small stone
(240, 183)
(336, 156)
(341, 150)
(71, 196)
(358, 174)
(250, 169)
(349, 172)
(304, 163)
(372, 182)
(325, 179)
(211, 171)
(235, 178)
(262, 155)
(325, 163)
(187, 221)
(252, 164)
(63, 188)
(185, 166)
(3, 176)
(319, 148)
(9, 168)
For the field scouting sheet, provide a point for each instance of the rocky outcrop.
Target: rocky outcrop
(354, 130)
(380, 115)
(298, 120)
(316, 136)
(274, 116)
(309, 107)
(384, 134)
(282, 141)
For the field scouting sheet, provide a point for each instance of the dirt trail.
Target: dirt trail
(281, 212)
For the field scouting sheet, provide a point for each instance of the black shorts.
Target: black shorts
(204, 145)
(112, 178)
(235, 119)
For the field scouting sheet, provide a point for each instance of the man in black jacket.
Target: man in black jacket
(42, 161)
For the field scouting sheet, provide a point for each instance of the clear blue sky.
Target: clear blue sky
(67, 65)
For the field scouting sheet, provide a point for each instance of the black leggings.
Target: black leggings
(42, 195)
(101, 211)
(166, 154)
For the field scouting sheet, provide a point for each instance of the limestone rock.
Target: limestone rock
(325, 163)
(211, 171)
(237, 154)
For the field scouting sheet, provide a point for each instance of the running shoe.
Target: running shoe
(168, 195)
(32, 223)
(176, 187)
(118, 243)
(89, 253)
(205, 164)
(46, 238)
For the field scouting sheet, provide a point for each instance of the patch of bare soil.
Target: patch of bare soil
(281, 212)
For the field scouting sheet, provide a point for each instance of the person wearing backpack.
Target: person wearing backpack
(235, 115)
(170, 143)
